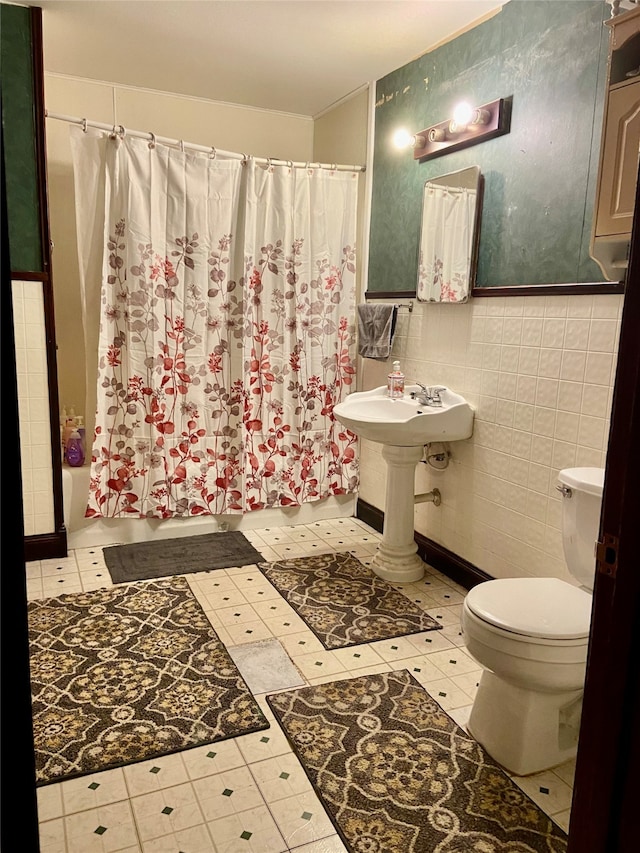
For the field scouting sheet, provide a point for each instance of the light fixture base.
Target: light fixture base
(494, 120)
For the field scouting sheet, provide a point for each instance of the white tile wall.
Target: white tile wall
(33, 407)
(539, 372)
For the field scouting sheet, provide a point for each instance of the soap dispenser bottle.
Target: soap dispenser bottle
(395, 382)
(75, 450)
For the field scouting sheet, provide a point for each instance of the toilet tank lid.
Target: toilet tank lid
(589, 480)
(548, 608)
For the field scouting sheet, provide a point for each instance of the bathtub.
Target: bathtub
(90, 532)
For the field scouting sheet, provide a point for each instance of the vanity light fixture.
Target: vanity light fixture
(468, 126)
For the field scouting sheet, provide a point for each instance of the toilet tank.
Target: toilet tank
(581, 504)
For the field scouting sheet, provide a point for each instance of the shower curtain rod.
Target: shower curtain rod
(121, 131)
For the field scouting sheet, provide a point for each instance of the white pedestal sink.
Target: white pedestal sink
(403, 426)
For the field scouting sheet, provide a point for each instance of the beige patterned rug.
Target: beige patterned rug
(343, 602)
(125, 674)
(398, 775)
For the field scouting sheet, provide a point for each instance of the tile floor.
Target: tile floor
(250, 794)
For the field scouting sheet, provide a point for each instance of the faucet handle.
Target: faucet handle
(434, 394)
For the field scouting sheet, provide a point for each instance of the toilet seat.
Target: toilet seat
(535, 608)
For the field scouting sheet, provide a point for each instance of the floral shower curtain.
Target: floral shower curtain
(225, 332)
(445, 244)
(299, 251)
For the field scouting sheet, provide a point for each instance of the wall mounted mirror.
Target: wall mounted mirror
(449, 236)
(539, 179)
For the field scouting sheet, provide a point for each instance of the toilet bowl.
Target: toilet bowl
(530, 635)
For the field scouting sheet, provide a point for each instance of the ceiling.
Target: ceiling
(295, 56)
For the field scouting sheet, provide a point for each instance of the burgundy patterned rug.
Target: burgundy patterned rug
(129, 673)
(397, 775)
(343, 602)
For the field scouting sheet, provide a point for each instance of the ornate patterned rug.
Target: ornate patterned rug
(397, 774)
(343, 602)
(125, 674)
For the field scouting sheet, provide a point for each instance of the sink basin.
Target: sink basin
(405, 422)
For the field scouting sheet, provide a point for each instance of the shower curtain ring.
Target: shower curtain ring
(84, 125)
(212, 155)
(118, 131)
(182, 145)
(152, 141)
(245, 159)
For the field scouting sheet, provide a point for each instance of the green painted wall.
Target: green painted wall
(18, 122)
(550, 55)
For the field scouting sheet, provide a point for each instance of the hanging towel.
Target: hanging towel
(376, 325)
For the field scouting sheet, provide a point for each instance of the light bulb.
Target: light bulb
(462, 114)
(402, 138)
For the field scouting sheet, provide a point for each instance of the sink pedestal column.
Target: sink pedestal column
(396, 559)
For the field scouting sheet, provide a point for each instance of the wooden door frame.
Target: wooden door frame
(603, 815)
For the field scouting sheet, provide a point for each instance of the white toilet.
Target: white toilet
(530, 635)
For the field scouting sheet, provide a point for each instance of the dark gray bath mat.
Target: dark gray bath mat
(162, 558)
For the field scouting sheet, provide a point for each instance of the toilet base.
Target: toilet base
(523, 730)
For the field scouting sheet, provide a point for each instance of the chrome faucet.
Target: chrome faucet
(429, 395)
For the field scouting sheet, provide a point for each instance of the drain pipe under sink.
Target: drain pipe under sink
(434, 496)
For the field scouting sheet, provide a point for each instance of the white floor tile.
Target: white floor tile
(454, 662)
(394, 650)
(194, 839)
(166, 771)
(228, 793)
(103, 830)
(547, 790)
(332, 844)
(93, 791)
(52, 836)
(562, 819)
(53, 586)
(265, 744)
(280, 777)
(252, 831)
(358, 657)
(355, 673)
(319, 664)
(166, 811)
(420, 667)
(202, 761)
(447, 694)
(49, 799)
(430, 641)
(301, 818)
(248, 632)
(301, 644)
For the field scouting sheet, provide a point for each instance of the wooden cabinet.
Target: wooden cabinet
(620, 148)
